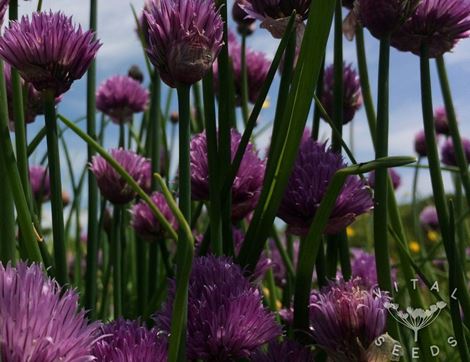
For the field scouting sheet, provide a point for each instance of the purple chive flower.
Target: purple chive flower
(352, 95)
(120, 97)
(246, 187)
(420, 144)
(129, 341)
(346, 318)
(226, 317)
(364, 268)
(285, 351)
(38, 320)
(40, 183)
(274, 15)
(144, 221)
(313, 171)
(49, 51)
(238, 237)
(396, 179)
(111, 184)
(262, 9)
(382, 17)
(185, 37)
(448, 151)
(441, 123)
(439, 24)
(245, 24)
(428, 218)
(257, 68)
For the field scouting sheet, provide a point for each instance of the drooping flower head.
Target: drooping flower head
(396, 179)
(129, 341)
(111, 184)
(346, 318)
(185, 37)
(33, 101)
(257, 68)
(40, 183)
(428, 218)
(144, 221)
(383, 17)
(441, 123)
(49, 51)
(120, 97)
(313, 171)
(285, 351)
(226, 317)
(438, 24)
(448, 151)
(352, 95)
(38, 320)
(247, 185)
(245, 24)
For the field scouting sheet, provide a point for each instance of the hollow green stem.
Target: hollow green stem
(57, 208)
(155, 125)
(460, 156)
(454, 261)
(436, 176)
(310, 245)
(317, 112)
(340, 240)
(338, 87)
(142, 274)
(364, 80)
(244, 100)
(29, 236)
(185, 251)
(7, 220)
(293, 124)
(284, 86)
(116, 257)
(381, 245)
(93, 197)
(228, 180)
(212, 156)
(122, 172)
(20, 134)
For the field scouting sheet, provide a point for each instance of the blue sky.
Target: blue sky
(121, 49)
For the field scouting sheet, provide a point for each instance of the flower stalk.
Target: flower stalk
(56, 188)
(185, 250)
(436, 175)
(93, 198)
(28, 244)
(460, 157)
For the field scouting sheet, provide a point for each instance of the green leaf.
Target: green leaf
(293, 124)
